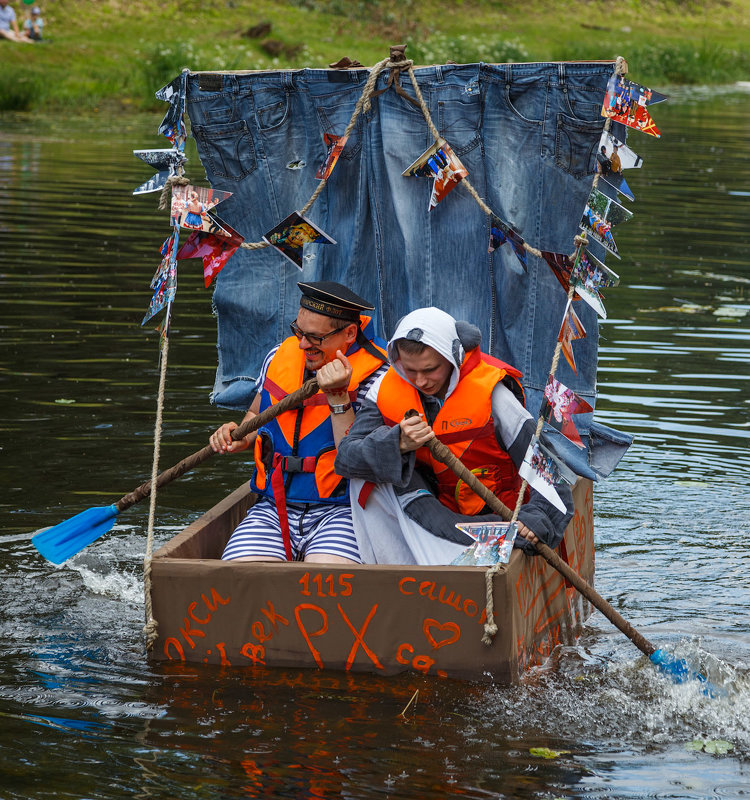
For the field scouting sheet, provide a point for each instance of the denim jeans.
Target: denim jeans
(528, 135)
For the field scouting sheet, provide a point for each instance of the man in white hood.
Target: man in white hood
(404, 503)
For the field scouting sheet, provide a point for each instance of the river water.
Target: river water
(82, 715)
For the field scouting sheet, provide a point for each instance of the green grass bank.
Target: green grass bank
(113, 54)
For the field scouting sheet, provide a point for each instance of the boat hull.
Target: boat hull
(373, 618)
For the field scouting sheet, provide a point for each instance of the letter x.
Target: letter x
(358, 638)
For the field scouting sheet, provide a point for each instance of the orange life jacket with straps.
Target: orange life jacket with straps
(297, 446)
(465, 425)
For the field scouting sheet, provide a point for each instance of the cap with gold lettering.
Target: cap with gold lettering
(332, 300)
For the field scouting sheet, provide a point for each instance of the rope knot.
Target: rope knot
(173, 180)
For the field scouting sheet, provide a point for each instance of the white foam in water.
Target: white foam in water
(120, 586)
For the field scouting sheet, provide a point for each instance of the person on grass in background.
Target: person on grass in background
(9, 23)
(405, 504)
(33, 25)
(304, 511)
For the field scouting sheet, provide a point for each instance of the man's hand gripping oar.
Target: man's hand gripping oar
(64, 540)
(676, 668)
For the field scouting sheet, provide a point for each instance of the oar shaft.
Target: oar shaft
(444, 455)
(292, 400)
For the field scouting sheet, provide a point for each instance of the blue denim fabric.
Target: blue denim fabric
(528, 135)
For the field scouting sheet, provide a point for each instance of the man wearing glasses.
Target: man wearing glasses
(304, 512)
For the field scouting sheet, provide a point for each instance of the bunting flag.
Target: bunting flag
(164, 285)
(561, 266)
(589, 275)
(617, 179)
(290, 236)
(214, 249)
(167, 162)
(627, 158)
(600, 216)
(571, 329)
(445, 167)
(191, 206)
(493, 543)
(559, 405)
(173, 124)
(541, 470)
(627, 102)
(334, 144)
(500, 233)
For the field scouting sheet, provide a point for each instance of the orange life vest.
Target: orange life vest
(464, 424)
(300, 441)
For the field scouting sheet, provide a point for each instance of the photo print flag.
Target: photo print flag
(621, 156)
(166, 162)
(541, 470)
(590, 275)
(570, 330)
(443, 165)
(600, 216)
(191, 207)
(291, 235)
(561, 266)
(334, 145)
(164, 285)
(627, 102)
(558, 406)
(215, 249)
(500, 233)
(493, 543)
(173, 124)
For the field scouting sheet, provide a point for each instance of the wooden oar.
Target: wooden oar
(676, 668)
(59, 543)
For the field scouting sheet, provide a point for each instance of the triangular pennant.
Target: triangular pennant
(617, 151)
(292, 234)
(440, 162)
(601, 215)
(590, 275)
(173, 125)
(541, 470)
(559, 405)
(626, 102)
(191, 206)
(166, 161)
(493, 543)
(165, 287)
(570, 330)
(500, 233)
(561, 266)
(334, 145)
(617, 180)
(214, 249)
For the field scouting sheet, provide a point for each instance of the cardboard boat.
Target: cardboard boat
(364, 618)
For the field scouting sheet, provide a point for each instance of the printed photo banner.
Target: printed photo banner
(493, 543)
(558, 406)
(191, 205)
(164, 285)
(627, 102)
(541, 470)
(173, 124)
(600, 216)
(167, 162)
(500, 233)
(628, 159)
(215, 249)
(334, 145)
(588, 276)
(443, 165)
(570, 330)
(291, 235)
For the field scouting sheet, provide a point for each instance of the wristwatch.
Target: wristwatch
(340, 408)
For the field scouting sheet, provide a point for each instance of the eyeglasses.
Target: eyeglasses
(314, 338)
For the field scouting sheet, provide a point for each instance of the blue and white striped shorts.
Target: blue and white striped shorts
(313, 528)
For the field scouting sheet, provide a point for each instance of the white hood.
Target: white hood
(437, 329)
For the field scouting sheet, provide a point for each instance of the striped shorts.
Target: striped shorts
(313, 528)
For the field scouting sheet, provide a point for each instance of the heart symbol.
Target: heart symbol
(451, 631)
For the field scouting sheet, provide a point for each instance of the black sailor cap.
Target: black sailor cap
(333, 300)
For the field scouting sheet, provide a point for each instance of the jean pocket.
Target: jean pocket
(527, 99)
(272, 109)
(459, 122)
(575, 145)
(334, 118)
(226, 150)
(584, 102)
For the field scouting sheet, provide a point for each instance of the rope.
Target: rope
(152, 626)
(173, 180)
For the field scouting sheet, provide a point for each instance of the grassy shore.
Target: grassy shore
(109, 54)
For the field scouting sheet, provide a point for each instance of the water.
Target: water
(82, 715)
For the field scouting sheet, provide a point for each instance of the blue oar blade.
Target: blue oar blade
(679, 670)
(61, 542)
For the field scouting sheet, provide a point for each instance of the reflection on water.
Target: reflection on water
(78, 386)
